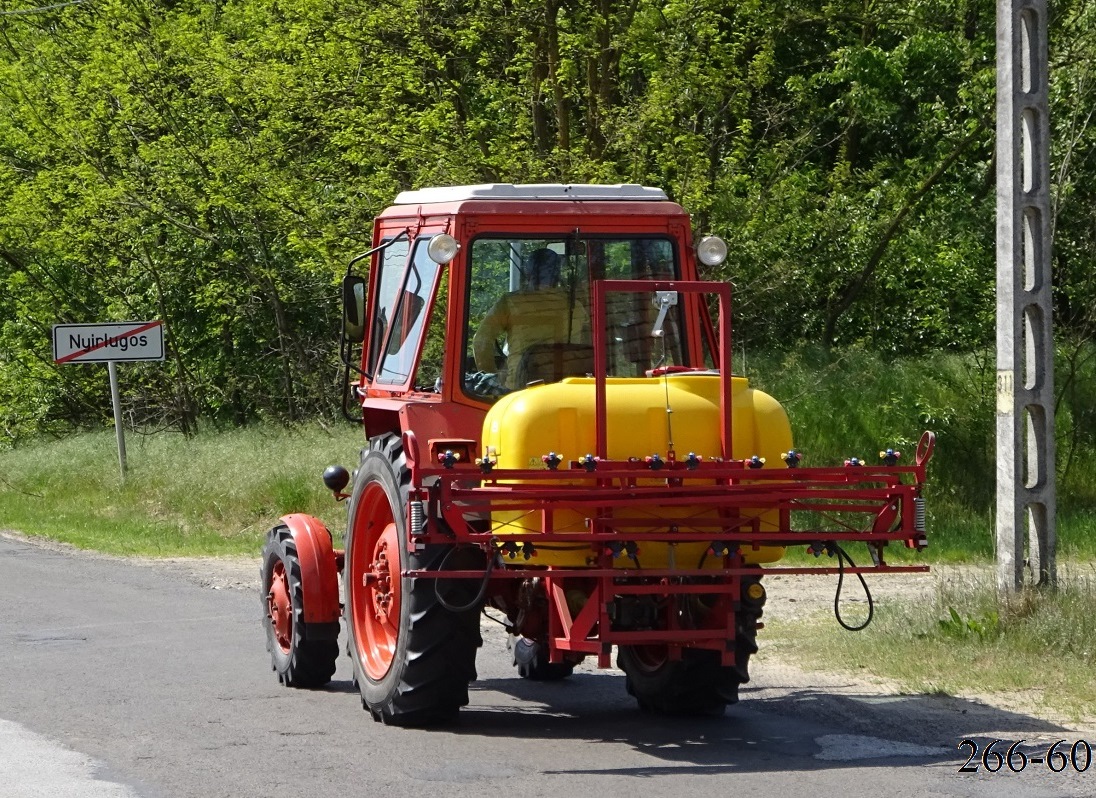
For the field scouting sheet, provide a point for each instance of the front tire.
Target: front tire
(297, 661)
(412, 657)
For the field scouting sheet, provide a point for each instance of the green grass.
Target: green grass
(965, 640)
(215, 493)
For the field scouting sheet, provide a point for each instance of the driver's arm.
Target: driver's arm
(483, 342)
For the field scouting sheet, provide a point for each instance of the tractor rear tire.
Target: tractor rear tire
(531, 658)
(298, 662)
(412, 657)
(694, 685)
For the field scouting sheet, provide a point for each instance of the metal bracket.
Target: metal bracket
(664, 300)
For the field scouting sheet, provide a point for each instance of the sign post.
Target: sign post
(119, 433)
(109, 343)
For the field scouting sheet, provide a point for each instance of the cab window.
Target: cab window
(530, 310)
(390, 265)
(401, 343)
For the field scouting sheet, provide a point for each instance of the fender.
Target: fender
(319, 574)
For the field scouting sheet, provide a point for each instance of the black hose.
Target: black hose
(842, 555)
(479, 595)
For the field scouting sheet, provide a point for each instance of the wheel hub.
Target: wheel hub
(380, 578)
(279, 607)
(651, 657)
(374, 589)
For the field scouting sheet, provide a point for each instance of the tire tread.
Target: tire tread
(431, 682)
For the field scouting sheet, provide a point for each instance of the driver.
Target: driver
(541, 313)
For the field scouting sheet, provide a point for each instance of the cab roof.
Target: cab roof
(627, 192)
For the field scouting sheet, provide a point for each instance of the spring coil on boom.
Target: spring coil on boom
(417, 519)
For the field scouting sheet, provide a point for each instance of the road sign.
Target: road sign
(103, 343)
(109, 343)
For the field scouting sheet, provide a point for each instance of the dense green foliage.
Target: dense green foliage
(214, 164)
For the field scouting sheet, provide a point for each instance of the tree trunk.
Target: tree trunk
(563, 107)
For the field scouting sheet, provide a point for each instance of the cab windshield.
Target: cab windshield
(530, 310)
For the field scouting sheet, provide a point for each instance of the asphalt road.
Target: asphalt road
(124, 681)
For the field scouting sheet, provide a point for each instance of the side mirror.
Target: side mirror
(353, 296)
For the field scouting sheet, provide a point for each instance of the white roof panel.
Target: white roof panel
(532, 191)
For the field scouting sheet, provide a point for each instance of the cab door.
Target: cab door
(404, 301)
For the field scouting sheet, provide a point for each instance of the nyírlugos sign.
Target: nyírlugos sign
(100, 343)
(110, 343)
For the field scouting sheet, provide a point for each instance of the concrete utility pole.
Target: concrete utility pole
(1025, 343)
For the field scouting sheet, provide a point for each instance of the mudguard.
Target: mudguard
(319, 574)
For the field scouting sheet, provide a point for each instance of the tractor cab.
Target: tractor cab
(475, 292)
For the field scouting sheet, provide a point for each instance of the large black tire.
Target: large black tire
(299, 662)
(696, 684)
(531, 659)
(412, 657)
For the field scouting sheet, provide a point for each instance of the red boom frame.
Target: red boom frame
(455, 497)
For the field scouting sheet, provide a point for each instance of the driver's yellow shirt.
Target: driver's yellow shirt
(547, 316)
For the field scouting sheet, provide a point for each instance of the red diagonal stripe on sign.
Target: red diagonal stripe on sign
(109, 340)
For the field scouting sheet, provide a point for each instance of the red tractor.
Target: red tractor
(554, 432)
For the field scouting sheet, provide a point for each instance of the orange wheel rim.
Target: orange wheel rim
(279, 607)
(375, 582)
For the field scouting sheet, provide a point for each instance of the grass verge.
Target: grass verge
(213, 494)
(1038, 647)
(218, 492)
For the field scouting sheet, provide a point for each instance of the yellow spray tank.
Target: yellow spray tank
(642, 415)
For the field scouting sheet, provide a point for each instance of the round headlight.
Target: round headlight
(712, 250)
(442, 248)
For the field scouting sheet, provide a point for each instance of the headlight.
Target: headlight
(442, 248)
(712, 250)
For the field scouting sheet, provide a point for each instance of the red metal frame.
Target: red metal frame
(729, 485)
(602, 288)
(464, 491)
